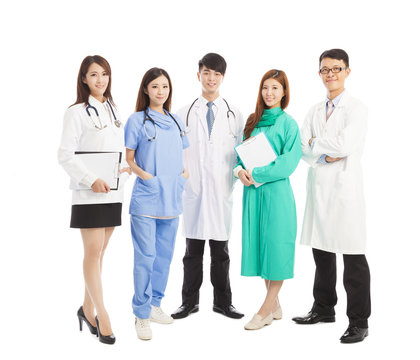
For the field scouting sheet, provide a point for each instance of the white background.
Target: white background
(42, 46)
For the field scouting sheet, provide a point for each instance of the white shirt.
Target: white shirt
(80, 134)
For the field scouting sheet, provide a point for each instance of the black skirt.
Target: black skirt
(95, 215)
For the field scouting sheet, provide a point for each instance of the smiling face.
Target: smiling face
(272, 92)
(334, 82)
(158, 91)
(210, 81)
(97, 80)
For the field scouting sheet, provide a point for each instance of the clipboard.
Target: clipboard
(104, 164)
(256, 151)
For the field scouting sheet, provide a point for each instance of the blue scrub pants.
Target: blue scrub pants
(153, 241)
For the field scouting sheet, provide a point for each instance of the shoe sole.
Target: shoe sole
(161, 322)
(176, 317)
(259, 327)
(325, 320)
(144, 338)
(223, 313)
(353, 342)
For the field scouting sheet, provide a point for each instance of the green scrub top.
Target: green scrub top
(269, 211)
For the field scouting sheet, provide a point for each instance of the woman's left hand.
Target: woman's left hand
(126, 169)
(185, 173)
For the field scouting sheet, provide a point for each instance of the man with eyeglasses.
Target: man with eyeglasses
(333, 137)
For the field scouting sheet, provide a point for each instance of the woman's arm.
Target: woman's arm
(284, 165)
(129, 155)
(75, 168)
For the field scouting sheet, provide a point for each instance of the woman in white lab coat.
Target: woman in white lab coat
(92, 124)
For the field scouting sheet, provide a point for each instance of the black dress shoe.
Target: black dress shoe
(184, 310)
(354, 334)
(228, 310)
(313, 318)
(81, 315)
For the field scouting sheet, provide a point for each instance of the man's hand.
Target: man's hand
(330, 159)
(310, 141)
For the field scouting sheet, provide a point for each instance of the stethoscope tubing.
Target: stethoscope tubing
(229, 111)
(89, 107)
(147, 117)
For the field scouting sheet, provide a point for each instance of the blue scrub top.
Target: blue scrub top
(162, 194)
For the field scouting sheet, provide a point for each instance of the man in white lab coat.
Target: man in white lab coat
(215, 128)
(333, 137)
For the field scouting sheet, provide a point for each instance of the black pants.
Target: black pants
(219, 271)
(356, 281)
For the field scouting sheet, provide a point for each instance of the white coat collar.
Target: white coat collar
(343, 101)
(202, 101)
(96, 103)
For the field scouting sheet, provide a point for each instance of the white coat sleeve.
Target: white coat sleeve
(349, 139)
(124, 176)
(72, 131)
(305, 135)
(240, 130)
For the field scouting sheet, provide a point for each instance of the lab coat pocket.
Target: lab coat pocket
(346, 185)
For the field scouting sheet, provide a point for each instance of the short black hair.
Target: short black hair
(214, 62)
(337, 54)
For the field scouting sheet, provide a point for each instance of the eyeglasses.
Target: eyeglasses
(334, 70)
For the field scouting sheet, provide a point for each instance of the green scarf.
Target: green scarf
(269, 117)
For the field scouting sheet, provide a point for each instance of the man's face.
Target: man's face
(333, 81)
(210, 80)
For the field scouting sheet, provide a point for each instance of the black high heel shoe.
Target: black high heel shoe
(82, 317)
(109, 339)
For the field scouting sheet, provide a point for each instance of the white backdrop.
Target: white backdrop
(42, 46)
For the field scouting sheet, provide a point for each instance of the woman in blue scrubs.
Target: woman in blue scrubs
(154, 139)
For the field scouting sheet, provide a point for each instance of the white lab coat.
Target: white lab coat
(80, 134)
(334, 218)
(207, 198)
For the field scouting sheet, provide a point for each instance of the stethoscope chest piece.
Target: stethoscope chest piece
(117, 123)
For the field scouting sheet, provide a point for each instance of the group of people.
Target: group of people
(186, 163)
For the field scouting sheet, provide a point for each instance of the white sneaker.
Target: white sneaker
(144, 332)
(157, 315)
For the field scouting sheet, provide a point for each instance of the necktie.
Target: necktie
(330, 109)
(210, 117)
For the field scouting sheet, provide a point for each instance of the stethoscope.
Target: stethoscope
(229, 111)
(100, 127)
(147, 117)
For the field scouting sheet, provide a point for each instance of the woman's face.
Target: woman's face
(272, 93)
(158, 91)
(97, 80)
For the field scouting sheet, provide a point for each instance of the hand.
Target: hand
(310, 141)
(330, 159)
(126, 169)
(185, 173)
(246, 177)
(146, 176)
(100, 186)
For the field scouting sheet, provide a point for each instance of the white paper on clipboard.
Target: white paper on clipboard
(256, 151)
(105, 165)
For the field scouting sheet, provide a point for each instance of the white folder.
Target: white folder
(105, 165)
(256, 151)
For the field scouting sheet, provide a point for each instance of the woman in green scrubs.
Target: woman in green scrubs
(269, 211)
